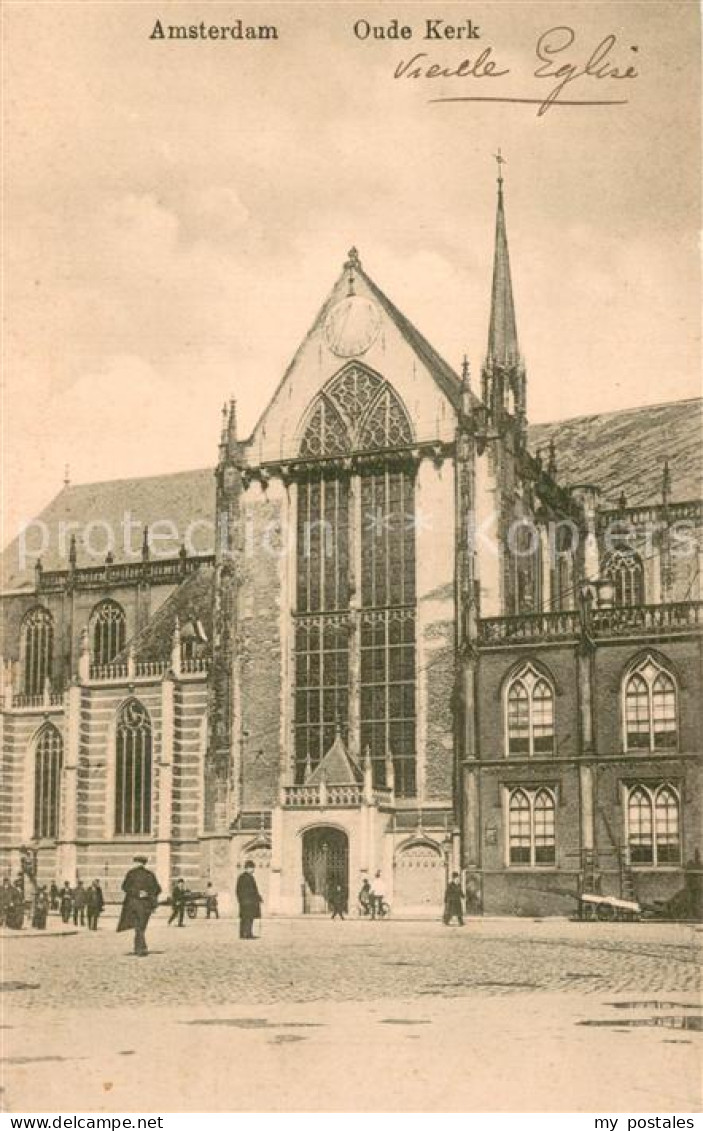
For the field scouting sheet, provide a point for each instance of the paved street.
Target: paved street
(502, 1015)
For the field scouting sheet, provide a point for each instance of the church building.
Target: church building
(396, 629)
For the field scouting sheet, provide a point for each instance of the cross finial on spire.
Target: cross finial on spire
(67, 476)
(500, 160)
(352, 264)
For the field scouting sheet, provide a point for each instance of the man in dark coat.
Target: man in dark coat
(14, 916)
(94, 905)
(178, 902)
(66, 902)
(337, 901)
(249, 901)
(40, 909)
(453, 901)
(5, 899)
(79, 901)
(142, 890)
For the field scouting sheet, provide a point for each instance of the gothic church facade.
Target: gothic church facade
(424, 638)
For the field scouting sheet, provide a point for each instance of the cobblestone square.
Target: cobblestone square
(502, 1015)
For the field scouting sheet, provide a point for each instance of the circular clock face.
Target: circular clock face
(352, 326)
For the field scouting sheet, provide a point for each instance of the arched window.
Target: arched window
(530, 713)
(650, 708)
(653, 824)
(37, 650)
(48, 761)
(531, 828)
(108, 631)
(624, 569)
(357, 412)
(133, 758)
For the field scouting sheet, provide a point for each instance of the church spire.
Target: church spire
(502, 334)
(503, 382)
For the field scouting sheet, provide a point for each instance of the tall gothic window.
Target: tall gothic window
(650, 708)
(358, 412)
(133, 770)
(322, 623)
(624, 569)
(531, 828)
(653, 824)
(530, 713)
(388, 625)
(37, 650)
(108, 623)
(48, 761)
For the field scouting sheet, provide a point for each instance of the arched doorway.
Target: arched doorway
(420, 875)
(325, 865)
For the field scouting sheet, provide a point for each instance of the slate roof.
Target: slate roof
(192, 601)
(175, 501)
(625, 451)
(337, 767)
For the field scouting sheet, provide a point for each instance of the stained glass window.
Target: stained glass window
(133, 771)
(37, 650)
(48, 760)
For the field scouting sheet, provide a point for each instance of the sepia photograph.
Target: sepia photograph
(352, 531)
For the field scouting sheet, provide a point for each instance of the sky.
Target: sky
(176, 212)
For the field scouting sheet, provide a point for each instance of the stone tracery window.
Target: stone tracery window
(48, 762)
(531, 827)
(388, 624)
(653, 824)
(625, 571)
(37, 650)
(108, 624)
(133, 766)
(326, 433)
(530, 713)
(357, 411)
(650, 708)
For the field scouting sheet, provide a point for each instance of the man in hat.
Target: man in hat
(95, 903)
(453, 901)
(249, 901)
(79, 902)
(142, 890)
(178, 902)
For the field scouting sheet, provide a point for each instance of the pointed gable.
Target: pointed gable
(358, 325)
